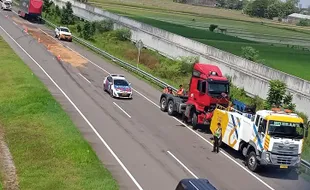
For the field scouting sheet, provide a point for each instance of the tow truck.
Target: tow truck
(207, 88)
(271, 138)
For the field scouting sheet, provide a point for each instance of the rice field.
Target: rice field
(283, 47)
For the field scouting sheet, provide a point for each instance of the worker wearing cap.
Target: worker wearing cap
(180, 92)
(216, 138)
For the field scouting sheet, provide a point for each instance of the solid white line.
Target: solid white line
(190, 129)
(78, 110)
(14, 23)
(173, 156)
(84, 78)
(226, 155)
(122, 109)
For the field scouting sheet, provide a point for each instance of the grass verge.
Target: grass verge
(168, 70)
(48, 150)
(276, 52)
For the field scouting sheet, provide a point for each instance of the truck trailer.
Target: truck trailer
(30, 9)
(272, 138)
(207, 88)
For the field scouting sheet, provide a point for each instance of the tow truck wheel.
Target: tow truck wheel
(194, 120)
(163, 104)
(170, 108)
(252, 161)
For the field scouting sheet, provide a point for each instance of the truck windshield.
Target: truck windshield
(286, 129)
(217, 88)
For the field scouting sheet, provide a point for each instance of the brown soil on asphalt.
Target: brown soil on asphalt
(7, 168)
(53, 45)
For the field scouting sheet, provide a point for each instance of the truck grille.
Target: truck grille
(287, 160)
(280, 148)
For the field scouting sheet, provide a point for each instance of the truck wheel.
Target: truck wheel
(252, 161)
(195, 121)
(170, 108)
(163, 104)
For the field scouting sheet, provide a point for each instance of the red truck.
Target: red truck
(207, 88)
(30, 9)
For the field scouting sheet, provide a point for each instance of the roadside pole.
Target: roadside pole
(139, 45)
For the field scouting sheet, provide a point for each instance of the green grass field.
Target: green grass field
(294, 61)
(48, 150)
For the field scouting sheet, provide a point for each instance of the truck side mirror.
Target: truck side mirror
(204, 87)
(307, 129)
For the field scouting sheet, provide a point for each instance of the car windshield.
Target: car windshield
(217, 88)
(119, 82)
(286, 129)
(64, 29)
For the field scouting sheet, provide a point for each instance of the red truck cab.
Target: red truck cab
(207, 88)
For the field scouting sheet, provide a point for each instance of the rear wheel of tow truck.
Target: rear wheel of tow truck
(170, 108)
(252, 161)
(195, 121)
(163, 104)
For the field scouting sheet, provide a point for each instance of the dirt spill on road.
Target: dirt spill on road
(53, 45)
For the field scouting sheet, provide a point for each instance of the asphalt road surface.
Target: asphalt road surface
(143, 147)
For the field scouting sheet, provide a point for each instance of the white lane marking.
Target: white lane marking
(122, 109)
(226, 155)
(78, 110)
(15, 23)
(173, 156)
(85, 78)
(190, 129)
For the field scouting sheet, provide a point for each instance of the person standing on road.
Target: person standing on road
(216, 138)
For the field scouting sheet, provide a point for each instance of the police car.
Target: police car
(117, 86)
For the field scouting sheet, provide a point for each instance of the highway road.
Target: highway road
(143, 147)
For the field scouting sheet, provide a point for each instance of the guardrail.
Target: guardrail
(134, 69)
(115, 59)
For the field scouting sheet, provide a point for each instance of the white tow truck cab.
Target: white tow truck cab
(269, 137)
(6, 5)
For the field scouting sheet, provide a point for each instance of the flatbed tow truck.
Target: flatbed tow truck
(207, 88)
(272, 138)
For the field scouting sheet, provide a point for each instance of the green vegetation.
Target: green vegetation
(279, 46)
(281, 57)
(174, 72)
(48, 150)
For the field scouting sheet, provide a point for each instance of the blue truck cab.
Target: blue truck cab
(195, 184)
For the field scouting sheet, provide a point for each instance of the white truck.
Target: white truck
(63, 33)
(269, 137)
(6, 5)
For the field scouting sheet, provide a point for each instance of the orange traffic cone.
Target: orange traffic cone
(6, 16)
(48, 47)
(58, 57)
(26, 29)
(39, 39)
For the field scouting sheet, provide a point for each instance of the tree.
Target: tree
(212, 27)
(105, 25)
(277, 95)
(87, 30)
(274, 10)
(250, 53)
(47, 4)
(67, 16)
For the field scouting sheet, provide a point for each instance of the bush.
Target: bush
(212, 27)
(122, 34)
(250, 53)
(303, 22)
(104, 25)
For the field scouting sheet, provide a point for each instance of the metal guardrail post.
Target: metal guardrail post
(134, 69)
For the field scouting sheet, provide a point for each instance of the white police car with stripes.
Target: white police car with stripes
(117, 86)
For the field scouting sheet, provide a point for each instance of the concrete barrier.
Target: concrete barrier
(251, 76)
